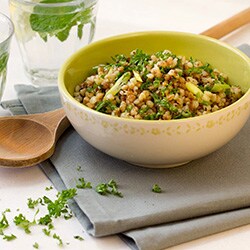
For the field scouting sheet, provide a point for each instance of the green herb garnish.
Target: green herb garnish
(83, 184)
(9, 237)
(60, 205)
(163, 54)
(78, 237)
(45, 220)
(114, 188)
(4, 222)
(138, 60)
(105, 106)
(156, 188)
(21, 221)
(79, 168)
(46, 231)
(33, 203)
(108, 188)
(55, 209)
(49, 188)
(36, 245)
(57, 237)
(102, 189)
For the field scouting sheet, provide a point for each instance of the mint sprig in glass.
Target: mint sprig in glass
(49, 22)
(49, 31)
(6, 33)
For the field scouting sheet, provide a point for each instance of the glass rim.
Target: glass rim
(11, 28)
(62, 4)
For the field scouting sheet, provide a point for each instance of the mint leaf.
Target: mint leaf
(3, 61)
(80, 31)
(63, 35)
(58, 21)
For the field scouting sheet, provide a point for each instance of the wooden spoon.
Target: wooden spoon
(30, 139)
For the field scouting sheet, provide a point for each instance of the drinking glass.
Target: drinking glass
(49, 31)
(6, 32)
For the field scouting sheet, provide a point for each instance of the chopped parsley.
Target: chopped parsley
(4, 222)
(138, 60)
(108, 188)
(105, 105)
(156, 188)
(163, 54)
(45, 220)
(56, 208)
(79, 168)
(49, 188)
(83, 184)
(33, 203)
(57, 237)
(9, 237)
(46, 231)
(78, 237)
(102, 189)
(36, 245)
(60, 205)
(21, 221)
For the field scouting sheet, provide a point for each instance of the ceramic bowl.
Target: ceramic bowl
(157, 144)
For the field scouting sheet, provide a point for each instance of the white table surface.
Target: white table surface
(114, 17)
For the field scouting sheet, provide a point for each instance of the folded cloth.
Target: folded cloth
(206, 196)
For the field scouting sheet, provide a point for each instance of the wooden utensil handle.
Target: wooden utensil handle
(229, 25)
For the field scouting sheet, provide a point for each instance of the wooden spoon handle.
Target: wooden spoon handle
(55, 120)
(49, 119)
(229, 25)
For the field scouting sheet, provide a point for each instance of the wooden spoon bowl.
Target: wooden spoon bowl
(30, 139)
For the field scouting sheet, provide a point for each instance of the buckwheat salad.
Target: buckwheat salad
(159, 86)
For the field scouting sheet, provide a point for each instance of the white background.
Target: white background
(114, 17)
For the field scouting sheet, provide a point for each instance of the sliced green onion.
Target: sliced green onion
(218, 87)
(118, 84)
(137, 76)
(194, 89)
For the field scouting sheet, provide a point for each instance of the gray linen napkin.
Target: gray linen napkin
(203, 197)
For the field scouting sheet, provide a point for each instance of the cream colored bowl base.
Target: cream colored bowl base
(159, 165)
